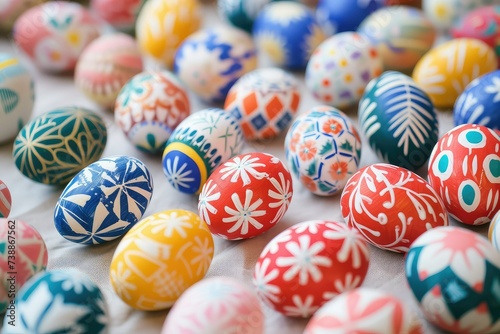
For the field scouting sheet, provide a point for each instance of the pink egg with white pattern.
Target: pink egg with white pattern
(216, 305)
(308, 264)
(364, 310)
(23, 254)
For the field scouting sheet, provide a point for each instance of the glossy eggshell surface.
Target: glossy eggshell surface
(391, 206)
(121, 14)
(216, 305)
(341, 67)
(246, 196)
(5, 200)
(445, 71)
(308, 264)
(55, 146)
(23, 254)
(323, 149)
(399, 120)
(17, 96)
(464, 169)
(265, 101)
(150, 107)
(287, 32)
(402, 35)
(199, 144)
(106, 65)
(160, 41)
(365, 310)
(55, 34)
(159, 258)
(210, 61)
(454, 274)
(104, 200)
(480, 102)
(59, 301)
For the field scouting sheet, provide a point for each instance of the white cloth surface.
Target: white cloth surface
(34, 203)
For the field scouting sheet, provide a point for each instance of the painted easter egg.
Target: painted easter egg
(121, 14)
(260, 181)
(391, 206)
(308, 264)
(454, 275)
(399, 120)
(17, 96)
(402, 35)
(210, 61)
(104, 200)
(365, 310)
(106, 65)
(241, 13)
(150, 107)
(341, 67)
(339, 16)
(216, 305)
(10, 10)
(55, 146)
(160, 39)
(5, 200)
(494, 231)
(480, 102)
(464, 169)
(482, 23)
(445, 13)
(287, 32)
(23, 254)
(59, 301)
(323, 149)
(265, 101)
(173, 247)
(54, 34)
(446, 70)
(199, 145)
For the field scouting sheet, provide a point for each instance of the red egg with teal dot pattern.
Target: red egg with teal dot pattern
(464, 168)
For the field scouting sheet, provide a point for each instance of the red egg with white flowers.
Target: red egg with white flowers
(246, 196)
(391, 206)
(308, 264)
(464, 168)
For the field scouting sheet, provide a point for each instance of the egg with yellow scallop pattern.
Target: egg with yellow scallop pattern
(162, 25)
(159, 258)
(445, 71)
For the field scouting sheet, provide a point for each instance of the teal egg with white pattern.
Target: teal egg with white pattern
(58, 301)
(53, 147)
(17, 96)
(241, 13)
(399, 120)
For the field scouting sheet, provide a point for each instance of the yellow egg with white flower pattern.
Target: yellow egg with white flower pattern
(445, 71)
(162, 25)
(159, 258)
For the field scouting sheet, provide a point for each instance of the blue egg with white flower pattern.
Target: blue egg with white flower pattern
(480, 102)
(287, 32)
(344, 15)
(104, 200)
(399, 120)
(58, 301)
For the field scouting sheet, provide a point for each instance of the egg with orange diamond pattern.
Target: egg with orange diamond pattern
(391, 206)
(265, 101)
(308, 264)
(246, 196)
(159, 258)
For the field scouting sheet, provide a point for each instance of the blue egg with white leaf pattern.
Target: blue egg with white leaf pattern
(58, 301)
(399, 120)
(480, 102)
(104, 200)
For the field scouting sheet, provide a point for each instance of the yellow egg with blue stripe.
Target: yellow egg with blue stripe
(159, 258)
(199, 145)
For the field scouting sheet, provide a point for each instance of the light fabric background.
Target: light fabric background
(34, 203)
